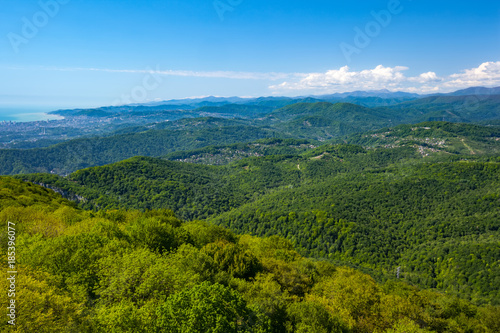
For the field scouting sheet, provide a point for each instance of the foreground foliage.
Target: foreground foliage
(132, 271)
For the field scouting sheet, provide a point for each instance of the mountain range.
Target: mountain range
(366, 98)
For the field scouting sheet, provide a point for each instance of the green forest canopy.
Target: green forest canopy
(130, 271)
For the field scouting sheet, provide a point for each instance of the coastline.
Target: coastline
(23, 117)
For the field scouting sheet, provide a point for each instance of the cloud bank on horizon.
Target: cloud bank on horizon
(339, 80)
(391, 78)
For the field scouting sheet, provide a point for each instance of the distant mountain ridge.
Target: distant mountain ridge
(371, 98)
(476, 91)
(455, 108)
(382, 93)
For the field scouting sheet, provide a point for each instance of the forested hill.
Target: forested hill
(453, 138)
(469, 108)
(323, 121)
(438, 222)
(131, 271)
(405, 203)
(430, 138)
(330, 110)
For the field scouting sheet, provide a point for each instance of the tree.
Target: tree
(205, 308)
(312, 317)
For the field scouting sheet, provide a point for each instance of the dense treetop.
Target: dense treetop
(130, 271)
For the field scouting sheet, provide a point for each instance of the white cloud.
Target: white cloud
(186, 73)
(486, 74)
(391, 78)
(377, 78)
(425, 77)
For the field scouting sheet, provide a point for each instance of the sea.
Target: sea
(27, 114)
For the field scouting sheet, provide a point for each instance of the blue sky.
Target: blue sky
(83, 53)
